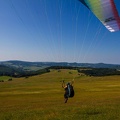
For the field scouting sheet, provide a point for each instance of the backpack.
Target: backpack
(70, 90)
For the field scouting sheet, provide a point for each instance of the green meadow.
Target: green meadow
(4, 78)
(41, 97)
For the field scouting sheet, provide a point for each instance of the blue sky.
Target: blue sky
(55, 30)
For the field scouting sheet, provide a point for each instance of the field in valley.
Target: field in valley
(41, 97)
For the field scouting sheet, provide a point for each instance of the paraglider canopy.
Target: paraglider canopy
(105, 11)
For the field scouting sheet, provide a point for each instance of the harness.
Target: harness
(70, 90)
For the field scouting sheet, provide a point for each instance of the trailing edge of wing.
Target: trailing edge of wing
(105, 11)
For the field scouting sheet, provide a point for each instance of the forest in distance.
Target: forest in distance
(25, 69)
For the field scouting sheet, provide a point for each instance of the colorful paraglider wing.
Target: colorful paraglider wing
(105, 11)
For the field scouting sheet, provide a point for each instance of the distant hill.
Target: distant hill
(24, 68)
(8, 71)
(19, 72)
(40, 65)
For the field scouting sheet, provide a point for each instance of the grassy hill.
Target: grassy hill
(18, 72)
(41, 97)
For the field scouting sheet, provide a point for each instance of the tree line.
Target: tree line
(99, 71)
